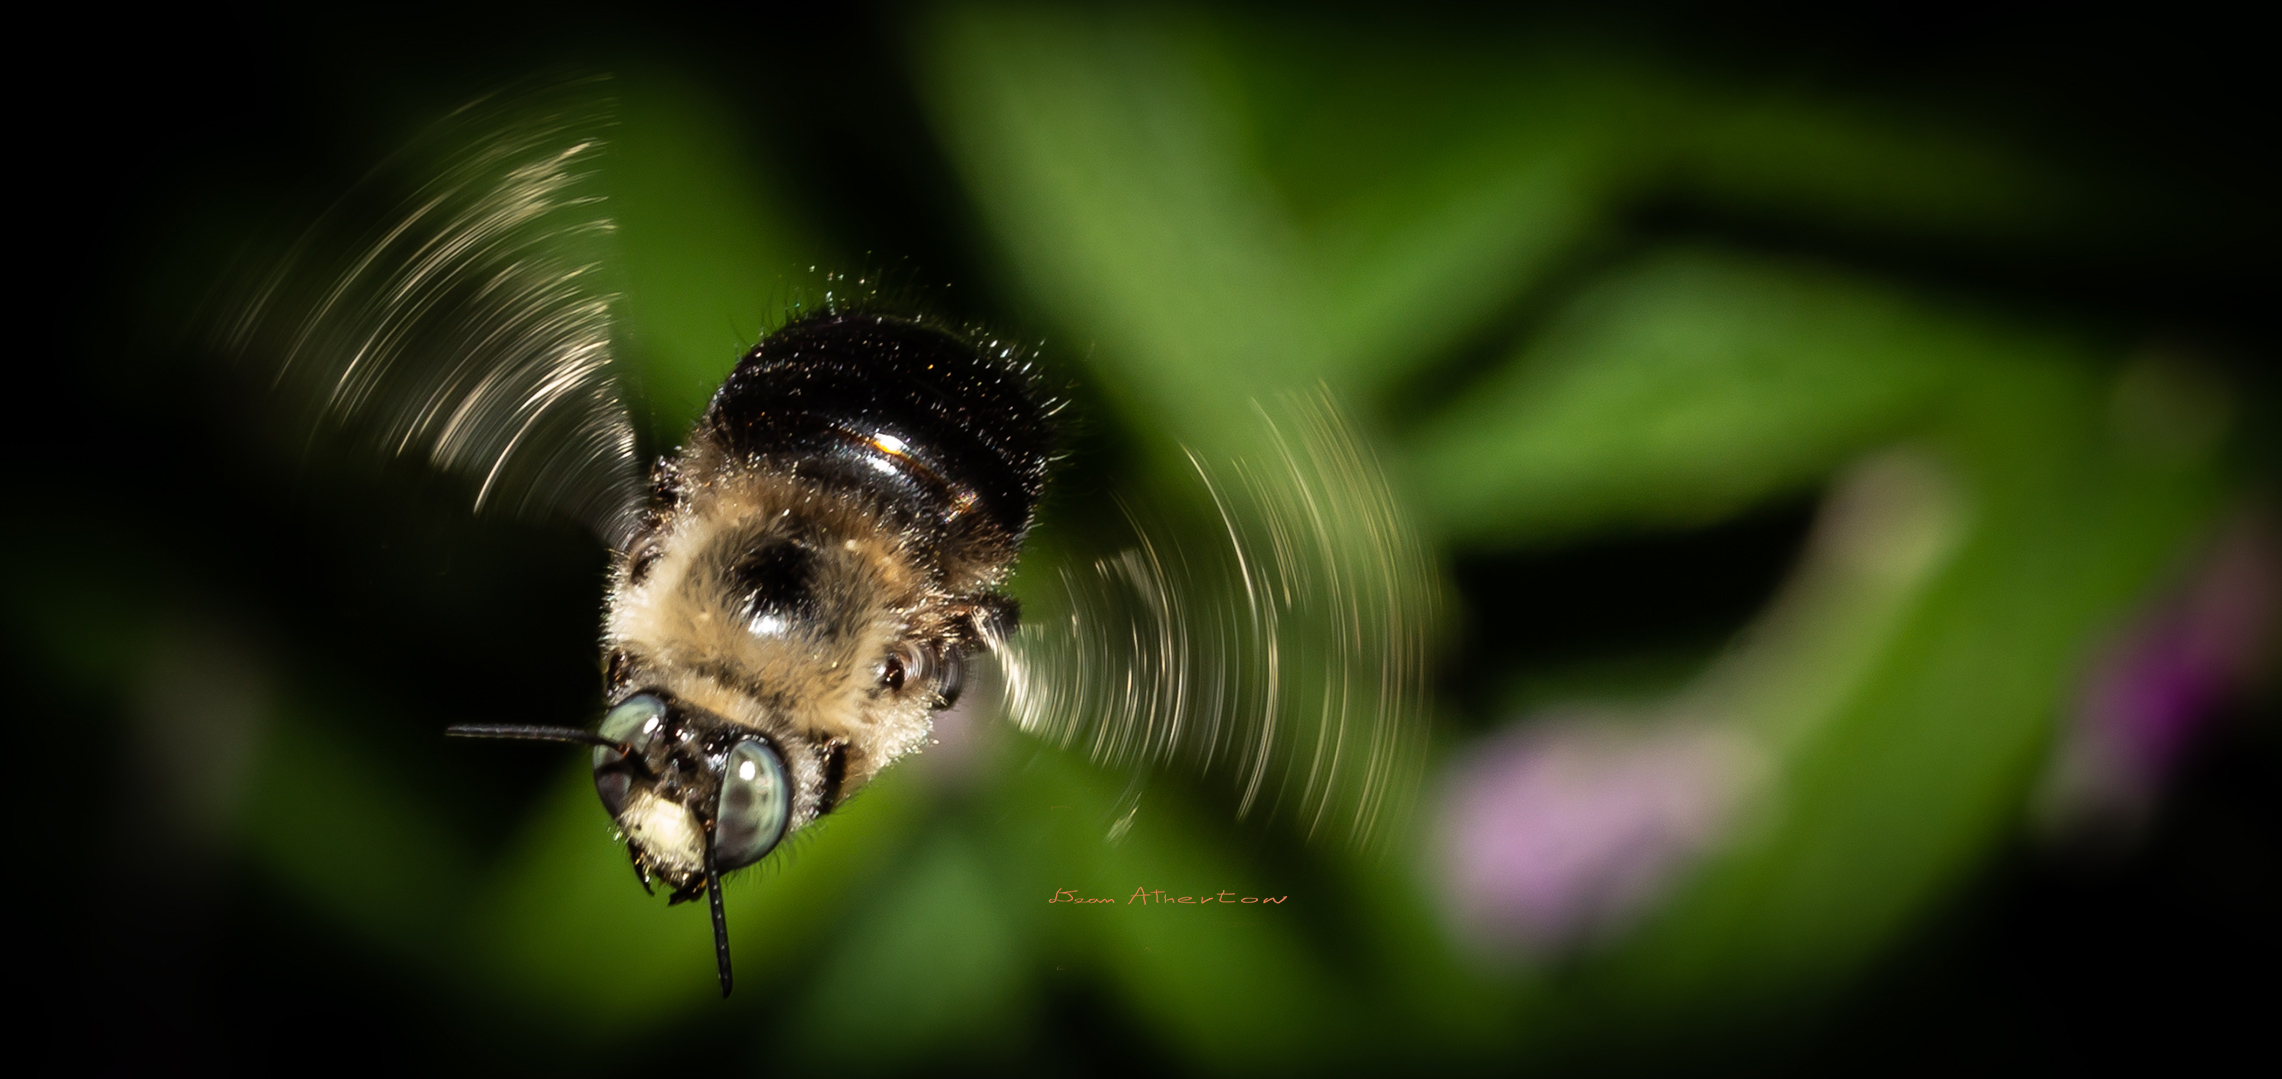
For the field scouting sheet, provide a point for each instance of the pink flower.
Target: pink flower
(2158, 684)
(1562, 831)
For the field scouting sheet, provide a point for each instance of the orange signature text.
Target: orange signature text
(1153, 895)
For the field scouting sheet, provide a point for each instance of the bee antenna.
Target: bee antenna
(720, 919)
(573, 735)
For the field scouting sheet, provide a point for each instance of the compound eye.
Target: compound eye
(636, 721)
(756, 803)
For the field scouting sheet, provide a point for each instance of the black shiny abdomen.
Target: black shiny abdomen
(817, 394)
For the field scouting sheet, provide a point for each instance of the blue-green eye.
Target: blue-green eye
(756, 803)
(635, 722)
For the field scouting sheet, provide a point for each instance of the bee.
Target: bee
(793, 593)
(808, 578)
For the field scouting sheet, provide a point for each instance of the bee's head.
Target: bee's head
(696, 796)
(693, 793)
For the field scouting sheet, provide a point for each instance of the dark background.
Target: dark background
(2151, 955)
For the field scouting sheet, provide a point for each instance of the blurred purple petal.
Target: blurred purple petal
(2163, 678)
(1559, 832)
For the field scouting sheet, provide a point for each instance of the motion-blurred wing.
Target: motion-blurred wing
(453, 305)
(1287, 652)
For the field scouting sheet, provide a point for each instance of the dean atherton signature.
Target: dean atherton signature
(1148, 895)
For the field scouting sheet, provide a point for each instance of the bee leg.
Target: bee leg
(641, 872)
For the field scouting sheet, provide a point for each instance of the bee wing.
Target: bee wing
(1287, 653)
(454, 305)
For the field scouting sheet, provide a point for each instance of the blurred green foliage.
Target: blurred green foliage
(1204, 210)
(704, 244)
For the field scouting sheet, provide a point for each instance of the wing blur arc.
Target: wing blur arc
(1284, 648)
(455, 305)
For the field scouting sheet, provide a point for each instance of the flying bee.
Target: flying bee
(804, 587)
(794, 592)
(798, 589)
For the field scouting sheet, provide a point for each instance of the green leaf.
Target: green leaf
(1679, 391)
(930, 965)
(707, 242)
